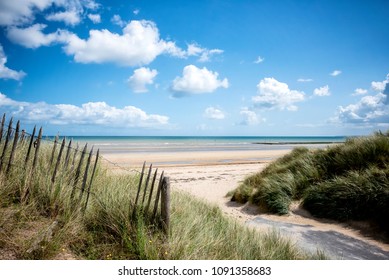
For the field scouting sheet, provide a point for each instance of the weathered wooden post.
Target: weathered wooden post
(86, 174)
(78, 171)
(151, 191)
(2, 127)
(16, 138)
(165, 205)
(6, 143)
(147, 184)
(58, 161)
(53, 152)
(91, 180)
(29, 147)
(139, 188)
(67, 157)
(158, 195)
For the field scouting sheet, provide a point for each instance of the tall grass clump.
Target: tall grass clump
(348, 181)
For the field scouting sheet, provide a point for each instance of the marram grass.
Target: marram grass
(348, 181)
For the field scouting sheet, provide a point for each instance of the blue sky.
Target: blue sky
(93, 67)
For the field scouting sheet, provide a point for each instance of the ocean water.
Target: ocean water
(152, 144)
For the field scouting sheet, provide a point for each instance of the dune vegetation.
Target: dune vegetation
(49, 225)
(348, 181)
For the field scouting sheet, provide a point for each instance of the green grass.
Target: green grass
(108, 230)
(349, 181)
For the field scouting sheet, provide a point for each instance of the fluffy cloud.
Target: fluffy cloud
(22, 11)
(141, 78)
(214, 113)
(273, 94)
(92, 113)
(139, 44)
(7, 73)
(15, 13)
(203, 53)
(371, 109)
(33, 36)
(95, 18)
(249, 117)
(380, 86)
(335, 73)
(116, 19)
(196, 81)
(323, 91)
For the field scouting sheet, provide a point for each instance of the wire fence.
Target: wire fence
(79, 166)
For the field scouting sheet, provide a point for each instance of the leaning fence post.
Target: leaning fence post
(86, 173)
(151, 191)
(78, 170)
(16, 138)
(2, 127)
(147, 184)
(29, 148)
(53, 152)
(139, 188)
(91, 180)
(165, 205)
(37, 144)
(6, 143)
(67, 155)
(158, 195)
(58, 160)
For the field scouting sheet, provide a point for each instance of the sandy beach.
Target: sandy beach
(211, 175)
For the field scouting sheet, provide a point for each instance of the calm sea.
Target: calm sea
(125, 144)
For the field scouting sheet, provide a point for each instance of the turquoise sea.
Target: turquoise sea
(125, 144)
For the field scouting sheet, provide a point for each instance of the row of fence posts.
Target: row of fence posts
(162, 196)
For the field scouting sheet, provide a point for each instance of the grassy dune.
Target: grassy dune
(348, 181)
(50, 226)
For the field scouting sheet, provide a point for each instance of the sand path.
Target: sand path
(212, 183)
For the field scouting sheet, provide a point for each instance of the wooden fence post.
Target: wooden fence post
(6, 143)
(58, 160)
(67, 157)
(165, 205)
(157, 196)
(147, 183)
(29, 148)
(16, 138)
(86, 174)
(151, 191)
(91, 180)
(78, 171)
(2, 127)
(53, 152)
(139, 187)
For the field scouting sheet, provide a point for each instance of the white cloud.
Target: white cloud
(273, 94)
(136, 12)
(21, 12)
(116, 19)
(322, 91)
(139, 45)
(335, 73)
(95, 18)
(302, 80)
(259, 60)
(249, 117)
(380, 86)
(91, 113)
(359, 91)
(214, 113)
(7, 73)
(33, 36)
(203, 53)
(370, 109)
(141, 78)
(71, 17)
(195, 80)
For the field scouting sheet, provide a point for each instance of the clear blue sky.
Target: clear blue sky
(204, 67)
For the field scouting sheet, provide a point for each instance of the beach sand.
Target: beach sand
(211, 175)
